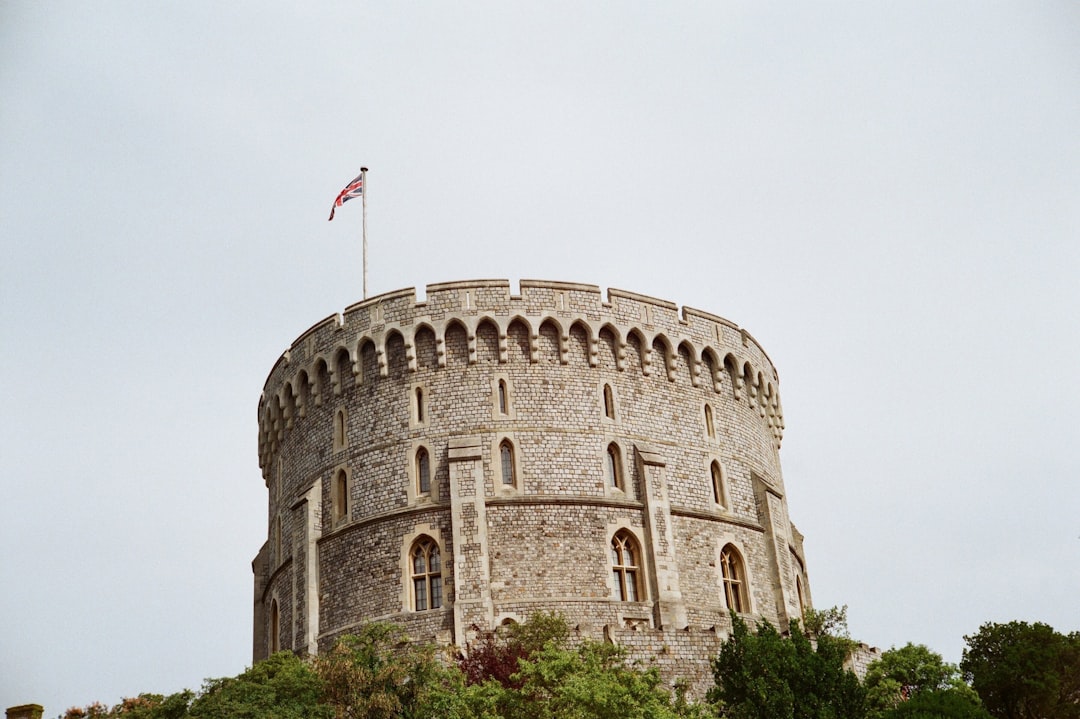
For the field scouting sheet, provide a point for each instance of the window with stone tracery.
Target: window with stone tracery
(426, 569)
(626, 567)
(734, 575)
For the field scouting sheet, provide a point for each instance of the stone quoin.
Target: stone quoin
(478, 456)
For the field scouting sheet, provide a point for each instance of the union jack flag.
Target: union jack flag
(353, 189)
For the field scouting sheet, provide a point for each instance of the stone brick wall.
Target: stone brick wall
(474, 367)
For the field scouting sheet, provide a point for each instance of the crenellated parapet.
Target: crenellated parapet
(473, 457)
(649, 336)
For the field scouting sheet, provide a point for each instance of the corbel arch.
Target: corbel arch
(693, 361)
(303, 392)
(389, 339)
(547, 324)
(445, 342)
(287, 400)
(731, 364)
(667, 352)
(636, 338)
(367, 358)
(618, 344)
(421, 330)
(341, 362)
(487, 329)
(514, 326)
(319, 369)
(579, 327)
(712, 366)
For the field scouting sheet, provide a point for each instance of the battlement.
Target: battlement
(475, 456)
(689, 344)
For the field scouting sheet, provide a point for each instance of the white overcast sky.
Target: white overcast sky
(886, 195)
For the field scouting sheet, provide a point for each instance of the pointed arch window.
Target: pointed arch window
(506, 463)
(275, 627)
(504, 406)
(798, 591)
(734, 575)
(341, 496)
(609, 402)
(716, 474)
(426, 569)
(420, 416)
(626, 566)
(277, 540)
(423, 471)
(613, 467)
(710, 428)
(341, 437)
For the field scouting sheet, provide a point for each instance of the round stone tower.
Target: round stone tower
(478, 456)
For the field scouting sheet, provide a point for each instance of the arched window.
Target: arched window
(613, 466)
(503, 406)
(709, 427)
(717, 475)
(423, 472)
(626, 566)
(798, 591)
(731, 566)
(609, 402)
(277, 540)
(426, 571)
(341, 496)
(275, 627)
(506, 462)
(419, 405)
(340, 436)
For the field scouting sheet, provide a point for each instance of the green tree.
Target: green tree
(280, 687)
(939, 704)
(908, 672)
(144, 706)
(763, 675)
(1024, 671)
(592, 681)
(380, 674)
(498, 655)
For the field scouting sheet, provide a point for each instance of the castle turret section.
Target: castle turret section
(477, 456)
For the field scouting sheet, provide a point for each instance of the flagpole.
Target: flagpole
(363, 197)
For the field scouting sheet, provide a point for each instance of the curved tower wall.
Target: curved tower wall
(560, 376)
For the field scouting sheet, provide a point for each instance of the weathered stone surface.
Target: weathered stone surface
(474, 368)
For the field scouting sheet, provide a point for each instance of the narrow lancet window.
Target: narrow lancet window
(341, 496)
(613, 466)
(609, 402)
(275, 627)
(340, 436)
(717, 475)
(423, 471)
(506, 461)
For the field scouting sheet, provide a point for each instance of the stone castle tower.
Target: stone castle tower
(479, 456)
